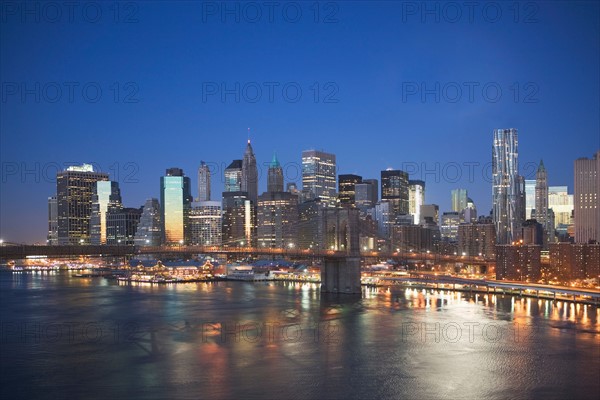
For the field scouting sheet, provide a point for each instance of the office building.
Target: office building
(75, 188)
(310, 224)
(149, 228)
(203, 182)
(121, 225)
(106, 195)
(250, 174)
(416, 198)
(175, 201)
(532, 232)
(394, 189)
(449, 226)
(275, 176)
(375, 189)
(347, 188)
(277, 216)
(319, 176)
(430, 213)
(529, 197)
(52, 238)
(205, 223)
(233, 176)
(587, 199)
(561, 203)
(459, 199)
(238, 222)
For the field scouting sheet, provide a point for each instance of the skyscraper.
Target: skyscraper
(347, 188)
(587, 199)
(238, 227)
(106, 194)
(507, 186)
(121, 225)
(149, 229)
(459, 200)
(375, 192)
(319, 176)
(175, 200)
(449, 226)
(394, 188)
(529, 197)
(52, 238)
(233, 176)
(74, 190)
(203, 182)
(205, 223)
(277, 216)
(416, 198)
(250, 174)
(541, 204)
(275, 176)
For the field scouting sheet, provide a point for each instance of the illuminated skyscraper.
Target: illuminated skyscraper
(416, 198)
(106, 195)
(459, 200)
(250, 174)
(394, 188)
(121, 225)
(319, 176)
(541, 205)
(149, 229)
(507, 186)
(205, 223)
(238, 223)
(233, 176)
(203, 182)
(275, 176)
(74, 190)
(175, 200)
(587, 199)
(347, 188)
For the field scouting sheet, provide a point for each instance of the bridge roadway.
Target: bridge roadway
(503, 285)
(23, 251)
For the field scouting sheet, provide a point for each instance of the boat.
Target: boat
(247, 273)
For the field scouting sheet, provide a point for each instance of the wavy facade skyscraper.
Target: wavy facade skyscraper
(507, 186)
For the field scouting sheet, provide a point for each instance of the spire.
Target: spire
(274, 161)
(248, 135)
(541, 167)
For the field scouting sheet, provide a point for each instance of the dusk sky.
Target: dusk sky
(360, 68)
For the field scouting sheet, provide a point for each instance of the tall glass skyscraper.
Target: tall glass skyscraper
(74, 190)
(394, 188)
(107, 194)
(507, 186)
(319, 176)
(175, 200)
(459, 199)
(233, 176)
(275, 176)
(203, 182)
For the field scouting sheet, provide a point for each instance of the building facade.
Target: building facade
(587, 199)
(149, 229)
(203, 182)
(476, 239)
(175, 201)
(52, 238)
(416, 198)
(121, 225)
(205, 223)
(238, 222)
(106, 195)
(347, 188)
(508, 197)
(319, 176)
(75, 188)
(250, 174)
(394, 189)
(459, 199)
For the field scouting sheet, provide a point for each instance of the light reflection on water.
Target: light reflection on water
(287, 340)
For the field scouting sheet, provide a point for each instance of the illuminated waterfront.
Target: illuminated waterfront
(93, 337)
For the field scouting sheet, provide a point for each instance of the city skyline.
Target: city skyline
(371, 123)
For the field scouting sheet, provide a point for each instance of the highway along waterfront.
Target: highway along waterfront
(97, 338)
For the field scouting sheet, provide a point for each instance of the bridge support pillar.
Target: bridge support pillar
(341, 275)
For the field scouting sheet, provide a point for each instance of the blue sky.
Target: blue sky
(361, 70)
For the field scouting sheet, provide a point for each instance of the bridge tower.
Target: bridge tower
(340, 272)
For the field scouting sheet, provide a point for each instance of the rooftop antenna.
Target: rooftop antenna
(248, 135)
